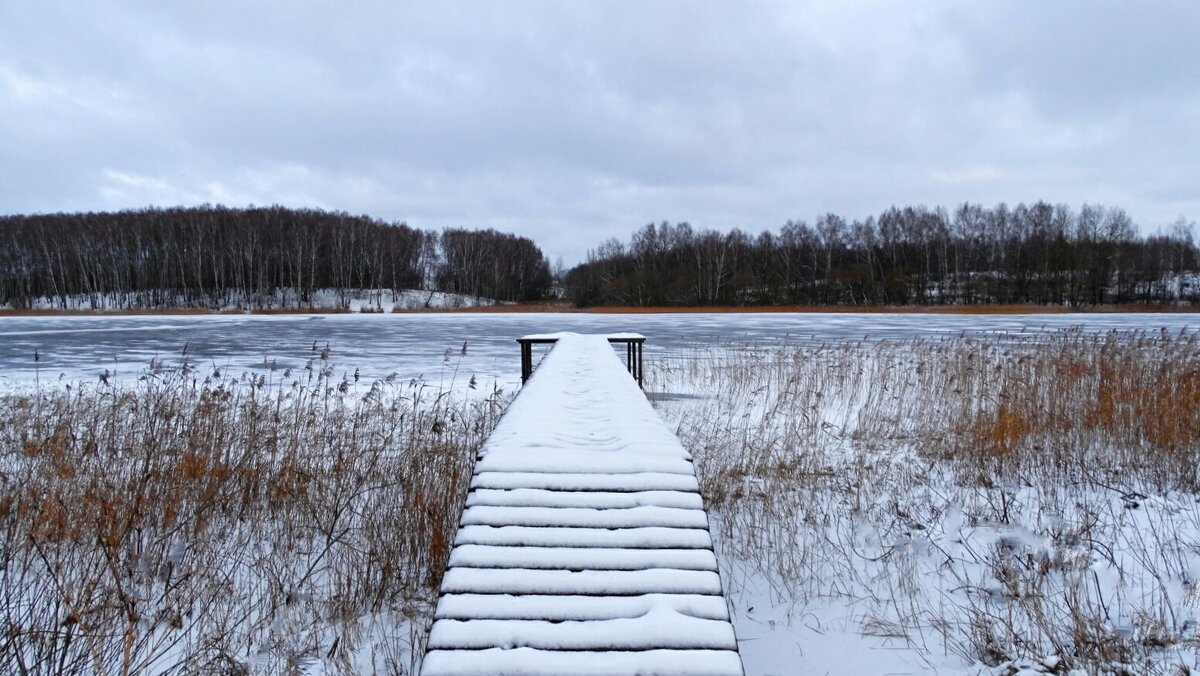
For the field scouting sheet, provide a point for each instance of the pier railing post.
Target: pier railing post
(633, 353)
(638, 350)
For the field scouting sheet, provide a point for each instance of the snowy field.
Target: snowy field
(346, 300)
(984, 507)
(431, 345)
(884, 497)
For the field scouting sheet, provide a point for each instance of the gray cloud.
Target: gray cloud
(573, 122)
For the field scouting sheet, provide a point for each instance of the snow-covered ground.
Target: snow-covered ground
(350, 300)
(906, 561)
(853, 540)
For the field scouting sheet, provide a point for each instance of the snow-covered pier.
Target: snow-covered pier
(584, 546)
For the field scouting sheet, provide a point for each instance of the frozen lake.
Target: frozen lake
(430, 345)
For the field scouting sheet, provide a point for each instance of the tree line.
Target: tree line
(1028, 254)
(233, 257)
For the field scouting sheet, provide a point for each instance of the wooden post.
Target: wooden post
(633, 354)
(526, 360)
(638, 349)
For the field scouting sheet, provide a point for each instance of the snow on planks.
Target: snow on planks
(584, 547)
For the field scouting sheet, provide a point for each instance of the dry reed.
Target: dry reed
(199, 523)
(1004, 499)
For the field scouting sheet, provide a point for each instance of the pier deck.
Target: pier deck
(584, 546)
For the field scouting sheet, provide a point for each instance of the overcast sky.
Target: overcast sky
(573, 122)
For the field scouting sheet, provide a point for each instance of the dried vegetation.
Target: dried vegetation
(1014, 501)
(199, 523)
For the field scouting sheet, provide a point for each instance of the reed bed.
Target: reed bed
(195, 522)
(1019, 503)
(1016, 503)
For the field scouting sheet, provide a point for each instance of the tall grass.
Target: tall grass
(1004, 499)
(199, 523)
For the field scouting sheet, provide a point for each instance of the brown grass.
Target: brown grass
(1001, 499)
(214, 525)
(202, 525)
(1072, 400)
(888, 309)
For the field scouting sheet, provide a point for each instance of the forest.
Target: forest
(260, 257)
(1028, 254)
(218, 257)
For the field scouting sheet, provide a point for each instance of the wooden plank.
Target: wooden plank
(584, 547)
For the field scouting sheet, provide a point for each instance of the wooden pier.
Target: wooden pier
(584, 547)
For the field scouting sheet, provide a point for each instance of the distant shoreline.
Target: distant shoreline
(557, 308)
